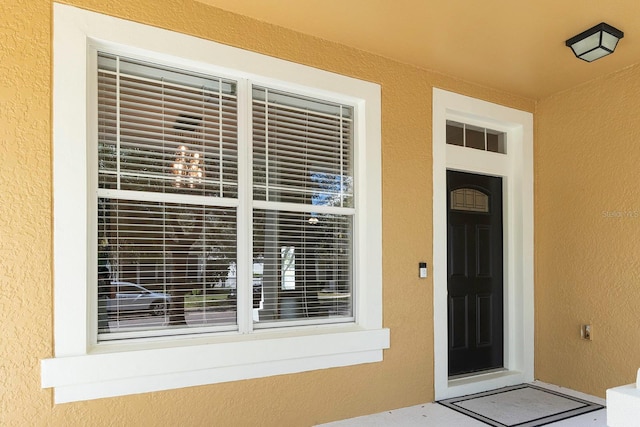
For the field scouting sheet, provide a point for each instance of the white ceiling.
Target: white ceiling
(513, 45)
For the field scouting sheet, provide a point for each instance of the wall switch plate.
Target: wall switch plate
(586, 332)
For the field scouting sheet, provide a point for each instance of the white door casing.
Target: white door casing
(516, 168)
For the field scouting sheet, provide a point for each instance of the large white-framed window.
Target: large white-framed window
(186, 167)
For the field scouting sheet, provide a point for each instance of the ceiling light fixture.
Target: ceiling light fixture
(596, 42)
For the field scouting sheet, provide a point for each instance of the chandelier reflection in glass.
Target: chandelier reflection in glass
(188, 166)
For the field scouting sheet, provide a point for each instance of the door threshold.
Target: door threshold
(476, 373)
(476, 382)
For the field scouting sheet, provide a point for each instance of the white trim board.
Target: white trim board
(516, 169)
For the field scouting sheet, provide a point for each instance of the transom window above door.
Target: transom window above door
(479, 138)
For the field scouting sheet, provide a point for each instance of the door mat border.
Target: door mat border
(586, 408)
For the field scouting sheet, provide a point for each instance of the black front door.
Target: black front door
(475, 272)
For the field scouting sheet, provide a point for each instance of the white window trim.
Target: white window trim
(516, 168)
(81, 369)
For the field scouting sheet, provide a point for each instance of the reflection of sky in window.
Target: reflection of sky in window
(331, 184)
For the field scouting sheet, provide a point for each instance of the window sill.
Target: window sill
(143, 369)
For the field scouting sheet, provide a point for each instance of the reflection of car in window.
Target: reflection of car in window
(130, 297)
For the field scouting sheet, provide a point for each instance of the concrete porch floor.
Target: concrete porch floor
(434, 414)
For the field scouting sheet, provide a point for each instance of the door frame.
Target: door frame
(516, 169)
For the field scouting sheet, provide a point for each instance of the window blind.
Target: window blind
(302, 149)
(305, 266)
(166, 138)
(302, 155)
(168, 198)
(165, 130)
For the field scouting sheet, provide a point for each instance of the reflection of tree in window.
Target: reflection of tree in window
(332, 189)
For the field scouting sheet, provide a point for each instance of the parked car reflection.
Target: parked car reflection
(132, 298)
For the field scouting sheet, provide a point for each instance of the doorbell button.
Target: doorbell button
(423, 269)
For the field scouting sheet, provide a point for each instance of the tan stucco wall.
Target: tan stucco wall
(587, 192)
(406, 375)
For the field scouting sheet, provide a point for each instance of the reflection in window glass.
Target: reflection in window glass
(301, 147)
(288, 269)
(165, 130)
(166, 138)
(303, 155)
(307, 262)
(167, 176)
(164, 266)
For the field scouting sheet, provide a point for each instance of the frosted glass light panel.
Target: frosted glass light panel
(476, 137)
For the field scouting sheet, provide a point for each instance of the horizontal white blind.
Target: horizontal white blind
(165, 267)
(167, 204)
(306, 265)
(302, 149)
(168, 265)
(302, 154)
(165, 130)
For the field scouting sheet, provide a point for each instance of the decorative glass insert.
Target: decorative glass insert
(469, 199)
(480, 138)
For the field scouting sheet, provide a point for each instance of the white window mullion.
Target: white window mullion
(244, 271)
(170, 198)
(485, 138)
(297, 207)
(464, 135)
